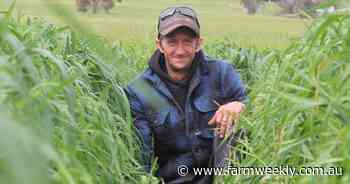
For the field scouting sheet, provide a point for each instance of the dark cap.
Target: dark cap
(174, 17)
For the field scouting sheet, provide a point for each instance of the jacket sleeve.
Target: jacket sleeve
(143, 129)
(232, 87)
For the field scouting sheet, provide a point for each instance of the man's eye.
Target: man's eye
(188, 42)
(171, 42)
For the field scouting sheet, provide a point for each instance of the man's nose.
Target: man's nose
(180, 49)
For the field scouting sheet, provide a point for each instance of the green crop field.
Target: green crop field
(137, 19)
(64, 117)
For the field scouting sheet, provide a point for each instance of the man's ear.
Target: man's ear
(159, 45)
(199, 44)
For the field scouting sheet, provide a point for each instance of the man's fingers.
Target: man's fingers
(228, 130)
(235, 116)
(225, 117)
(222, 129)
(212, 120)
(215, 119)
(229, 126)
(218, 116)
(223, 123)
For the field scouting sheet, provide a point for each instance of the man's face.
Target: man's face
(179, 49)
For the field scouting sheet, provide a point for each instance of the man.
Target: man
(185, 103)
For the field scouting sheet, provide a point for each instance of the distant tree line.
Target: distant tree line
(289, 6)
(86, 5)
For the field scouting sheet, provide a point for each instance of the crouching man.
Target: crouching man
(185, 104)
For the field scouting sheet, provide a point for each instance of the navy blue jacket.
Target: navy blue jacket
(180, 136)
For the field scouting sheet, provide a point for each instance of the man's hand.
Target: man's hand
(225, 115)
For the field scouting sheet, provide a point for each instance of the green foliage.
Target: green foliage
(65, 115)
(56, 86)
(299, 106)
